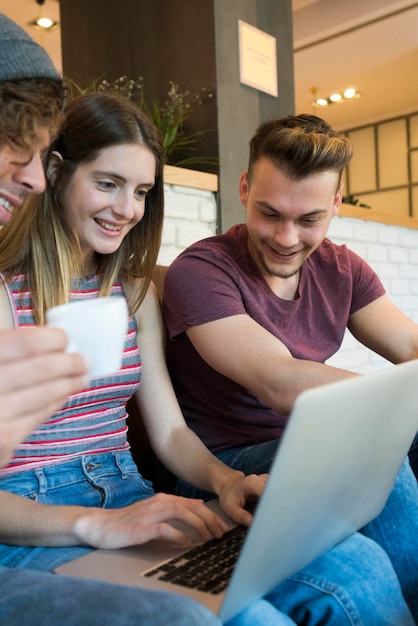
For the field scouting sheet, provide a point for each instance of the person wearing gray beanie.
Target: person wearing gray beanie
(31, 103)
(20, 56)
(37, 375)
(32, 92)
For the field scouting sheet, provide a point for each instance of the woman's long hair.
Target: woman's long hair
(40, 240)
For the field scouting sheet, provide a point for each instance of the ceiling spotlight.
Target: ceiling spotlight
(42, 22)
(348, 94)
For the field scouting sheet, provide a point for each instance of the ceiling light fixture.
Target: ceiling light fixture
(334, 98)
(42, 22)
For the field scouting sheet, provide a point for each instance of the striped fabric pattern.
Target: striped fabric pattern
(92, 421)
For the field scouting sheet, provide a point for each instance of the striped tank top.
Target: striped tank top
(92, 421)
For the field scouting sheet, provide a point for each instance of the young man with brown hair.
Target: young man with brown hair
(254, 314)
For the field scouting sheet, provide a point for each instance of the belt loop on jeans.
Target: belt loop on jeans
(124, 463)
(42, 482)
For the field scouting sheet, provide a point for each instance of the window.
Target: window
(383, 173)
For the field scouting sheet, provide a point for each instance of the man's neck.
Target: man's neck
(285, 288)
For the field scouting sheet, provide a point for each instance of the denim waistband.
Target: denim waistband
(89, 467)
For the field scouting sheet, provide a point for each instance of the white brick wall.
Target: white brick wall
(190, 215)
(392, 251)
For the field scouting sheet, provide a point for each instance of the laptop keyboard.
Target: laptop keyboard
(207, 567)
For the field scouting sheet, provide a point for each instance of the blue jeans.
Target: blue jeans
(333, 590)
(28, 597)
(99, 480)
(395, 530)
(352, 584)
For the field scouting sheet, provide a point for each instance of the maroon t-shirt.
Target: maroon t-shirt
(217, 278)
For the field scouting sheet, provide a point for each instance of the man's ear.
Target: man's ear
(243, 188)
(53, 166)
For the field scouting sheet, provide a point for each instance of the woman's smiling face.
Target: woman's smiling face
(106, 197)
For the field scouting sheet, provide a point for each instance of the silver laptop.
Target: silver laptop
(335, 467)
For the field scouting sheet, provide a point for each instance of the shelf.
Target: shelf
(359, 213)
(190, 178)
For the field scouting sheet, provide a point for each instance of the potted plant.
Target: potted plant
(169, 118)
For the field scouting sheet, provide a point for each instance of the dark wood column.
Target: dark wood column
(241, 108)
(193, 43)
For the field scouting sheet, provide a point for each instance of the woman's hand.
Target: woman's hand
(181, 521)
(238, 490)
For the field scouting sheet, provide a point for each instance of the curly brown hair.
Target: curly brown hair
(27, 105)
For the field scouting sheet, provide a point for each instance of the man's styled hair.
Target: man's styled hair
(32, 92)
(300, 145)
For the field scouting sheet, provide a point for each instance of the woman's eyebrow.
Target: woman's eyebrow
(121, 178)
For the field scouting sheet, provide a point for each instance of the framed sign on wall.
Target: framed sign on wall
(257, 59)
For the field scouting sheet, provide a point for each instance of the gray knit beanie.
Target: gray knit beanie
(21, 56)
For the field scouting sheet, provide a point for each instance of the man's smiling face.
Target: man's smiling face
(21, 173)
(287, 219)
